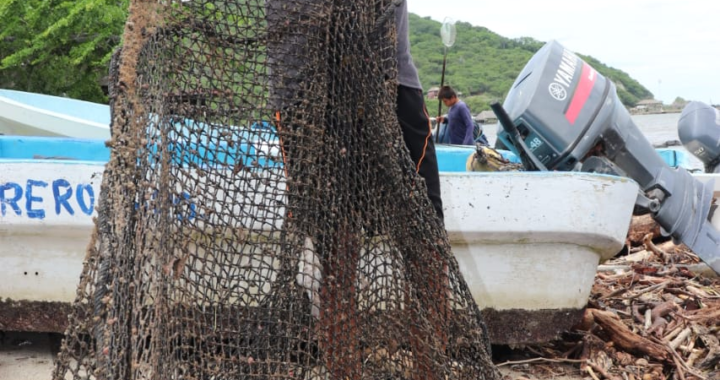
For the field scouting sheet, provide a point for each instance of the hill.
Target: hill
(482, 65)
(62, 47)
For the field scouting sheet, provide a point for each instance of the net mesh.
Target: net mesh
(260, 216)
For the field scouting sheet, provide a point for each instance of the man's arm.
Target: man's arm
(467, 123)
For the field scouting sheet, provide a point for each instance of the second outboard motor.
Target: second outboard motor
(561, 114)
(699, 132)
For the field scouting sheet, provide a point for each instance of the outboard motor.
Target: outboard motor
(561, 114)
(699, 132)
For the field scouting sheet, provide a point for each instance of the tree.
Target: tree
(59, 47)
(483, 65)
(63, 47)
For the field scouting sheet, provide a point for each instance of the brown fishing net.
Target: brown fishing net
(260, 214)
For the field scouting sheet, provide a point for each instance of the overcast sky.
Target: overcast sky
(672, 47)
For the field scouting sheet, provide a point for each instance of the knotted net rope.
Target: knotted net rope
(260, 214)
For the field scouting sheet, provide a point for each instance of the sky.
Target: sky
(672, 47)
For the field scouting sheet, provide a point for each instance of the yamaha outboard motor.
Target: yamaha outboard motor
(699, 132)
(561, 114)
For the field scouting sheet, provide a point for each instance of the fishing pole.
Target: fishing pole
(447, 34)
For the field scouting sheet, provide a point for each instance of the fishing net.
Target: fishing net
(260, 215)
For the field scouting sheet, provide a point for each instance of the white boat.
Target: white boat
(30, 114)
(706, 177)
(528, 244)
(512, 233)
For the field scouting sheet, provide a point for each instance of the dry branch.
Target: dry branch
(654, 314)
(622, 336)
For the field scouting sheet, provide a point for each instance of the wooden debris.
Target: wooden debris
(640, 227)
(654, 315)
(624, 338)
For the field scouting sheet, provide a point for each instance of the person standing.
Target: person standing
(417, 134)
(460, 125)
(286, 90)
(412, 113)
(287, 68)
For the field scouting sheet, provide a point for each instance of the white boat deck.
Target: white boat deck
(29, 114)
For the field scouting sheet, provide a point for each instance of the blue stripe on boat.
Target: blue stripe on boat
(451, 158)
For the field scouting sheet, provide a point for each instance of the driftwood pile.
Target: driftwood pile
(654, 313)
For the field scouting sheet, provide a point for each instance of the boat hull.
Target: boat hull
(707, 177)
(526, 243)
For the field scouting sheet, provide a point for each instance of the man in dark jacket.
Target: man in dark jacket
(287, 71)
(412, 113)
(286, 74)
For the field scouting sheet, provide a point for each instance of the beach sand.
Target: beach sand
(29, 356)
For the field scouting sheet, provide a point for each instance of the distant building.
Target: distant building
(486, 117)
(649, 106)
(433, 93)
(679, 103)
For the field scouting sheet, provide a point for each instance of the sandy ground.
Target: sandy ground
(29, 356)
(540, 372)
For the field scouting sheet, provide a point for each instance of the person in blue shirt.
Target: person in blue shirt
(460, 122)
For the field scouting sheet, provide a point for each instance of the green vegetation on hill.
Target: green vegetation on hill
(629, 90)
(62, 47)
(59, 47)
(482, 65)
